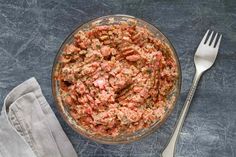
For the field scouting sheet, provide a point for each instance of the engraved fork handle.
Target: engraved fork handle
(169, 150)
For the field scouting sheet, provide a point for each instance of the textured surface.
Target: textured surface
(31, 32)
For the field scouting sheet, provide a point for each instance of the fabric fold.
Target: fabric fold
(30, 128)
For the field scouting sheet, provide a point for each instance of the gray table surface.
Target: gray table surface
(31, 32)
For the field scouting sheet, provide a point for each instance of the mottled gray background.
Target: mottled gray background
(31, 32)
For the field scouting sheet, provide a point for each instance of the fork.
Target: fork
(204, 59)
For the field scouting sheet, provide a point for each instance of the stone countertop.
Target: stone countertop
(31, 31)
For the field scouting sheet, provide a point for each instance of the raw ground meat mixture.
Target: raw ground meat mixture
(115, 78)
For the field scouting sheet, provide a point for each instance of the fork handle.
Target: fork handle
(170, 147)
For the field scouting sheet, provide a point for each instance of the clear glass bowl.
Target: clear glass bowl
(126, 138)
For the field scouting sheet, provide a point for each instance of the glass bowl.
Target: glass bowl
(126, 138)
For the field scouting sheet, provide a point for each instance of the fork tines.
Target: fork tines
(210, 41)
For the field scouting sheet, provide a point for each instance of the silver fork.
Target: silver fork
(204, 59)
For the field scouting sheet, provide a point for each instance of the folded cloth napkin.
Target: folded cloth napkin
(28, 126)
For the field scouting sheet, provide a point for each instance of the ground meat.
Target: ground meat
(116, 78)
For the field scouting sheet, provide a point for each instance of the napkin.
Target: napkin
(29, 128)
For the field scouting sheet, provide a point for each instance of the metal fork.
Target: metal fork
(204, 59)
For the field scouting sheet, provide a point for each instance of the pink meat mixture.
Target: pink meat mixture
(115, 79)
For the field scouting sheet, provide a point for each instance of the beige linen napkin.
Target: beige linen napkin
(29, 127)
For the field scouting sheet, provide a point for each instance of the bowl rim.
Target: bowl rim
(147, 133)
